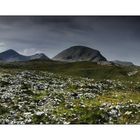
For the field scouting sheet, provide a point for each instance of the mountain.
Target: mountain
(122, 63)
(38, 56)
(11, 56)
(80, 53)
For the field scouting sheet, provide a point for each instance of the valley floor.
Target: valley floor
(38, 97)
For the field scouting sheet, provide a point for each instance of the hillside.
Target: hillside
(83, 69)
(51, 92)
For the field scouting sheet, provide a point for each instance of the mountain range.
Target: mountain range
(11, 56)
(72, 54)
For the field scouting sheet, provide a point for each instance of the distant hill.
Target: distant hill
(11, 56)
(122, 63)
(80, 53)
(38, 56)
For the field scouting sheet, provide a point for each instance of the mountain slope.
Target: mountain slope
(79, 53)
(11, 56)
(122, 63)
(38, 56)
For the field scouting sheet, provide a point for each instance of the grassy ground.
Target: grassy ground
(83, 69)
(112, 106)
(98, 110)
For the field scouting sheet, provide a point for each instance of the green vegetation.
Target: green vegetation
(50, 92)
(82, 69)
(3, 110)
(99, 110)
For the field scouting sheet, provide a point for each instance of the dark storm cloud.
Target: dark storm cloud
(115, 37)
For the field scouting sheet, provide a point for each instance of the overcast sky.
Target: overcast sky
(117, 38)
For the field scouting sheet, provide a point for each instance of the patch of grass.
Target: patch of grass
(116, 97)
(3, 110)
(40, 95)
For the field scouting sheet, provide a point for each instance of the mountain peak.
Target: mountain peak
(39, 56)
(80, 53)
(9, 51)
(80, 47)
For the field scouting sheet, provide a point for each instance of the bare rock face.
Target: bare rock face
(79, 53)
(108, 63)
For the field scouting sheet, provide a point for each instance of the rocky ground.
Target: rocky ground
(36, 97)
